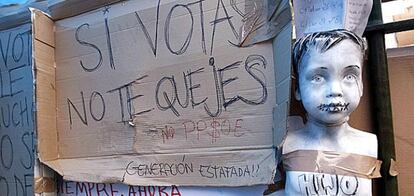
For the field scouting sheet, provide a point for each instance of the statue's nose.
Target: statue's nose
(335, 90)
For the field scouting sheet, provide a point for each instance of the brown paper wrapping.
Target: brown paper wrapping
(393, 168)
(44, 185)
(332, 163)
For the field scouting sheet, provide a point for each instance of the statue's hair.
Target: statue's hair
(323, 41)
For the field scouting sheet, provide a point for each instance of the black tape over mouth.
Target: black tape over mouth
(333, 107)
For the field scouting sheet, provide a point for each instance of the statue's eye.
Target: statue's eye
(350, 77)
(317, 78)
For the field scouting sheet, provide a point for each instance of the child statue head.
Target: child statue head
(328, 66)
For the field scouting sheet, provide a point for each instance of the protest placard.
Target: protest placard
(17, 143)
(160, 93)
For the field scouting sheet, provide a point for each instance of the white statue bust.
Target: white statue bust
(329, 74)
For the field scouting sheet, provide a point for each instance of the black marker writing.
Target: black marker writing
(326, 184)
(84, 43)
(152, 44)
(95, 95)
(218, 91)
(109, 44)
(5, 144)
(129, 98)
(83, 117)
(167, 31)
(5, 51)
(219, 20)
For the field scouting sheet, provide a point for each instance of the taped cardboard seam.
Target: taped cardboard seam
(332, 163)
(44, 185)
(113, 169)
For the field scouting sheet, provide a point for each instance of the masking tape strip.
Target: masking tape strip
(332, 163)
(44, 185)
(393, 168)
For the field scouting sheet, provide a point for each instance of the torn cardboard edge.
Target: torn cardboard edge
(332, 163)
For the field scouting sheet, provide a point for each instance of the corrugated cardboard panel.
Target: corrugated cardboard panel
(155, 84)
(43, 28)
(401, 74)
(44, 66)
(17, 141)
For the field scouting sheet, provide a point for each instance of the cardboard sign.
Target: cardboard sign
(312, 16)
(16, 118)
(68, 188)
(159, 93)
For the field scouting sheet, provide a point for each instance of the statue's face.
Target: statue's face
(330, 83)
